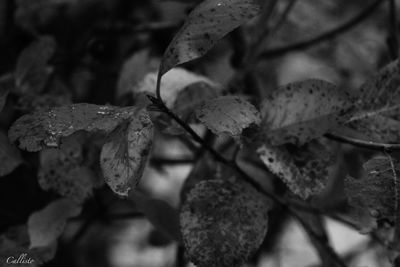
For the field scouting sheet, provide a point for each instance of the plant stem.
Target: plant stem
(279, 51)
(363, 144)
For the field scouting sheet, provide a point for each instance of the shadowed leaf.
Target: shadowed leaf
(66, 170)
(32, 71)
(15, 242)
(10, 157)
(46, 225)
(163, 216)
(375, 193)
(223, 223)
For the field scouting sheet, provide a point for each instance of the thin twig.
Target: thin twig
(363, 144)
(274, 52)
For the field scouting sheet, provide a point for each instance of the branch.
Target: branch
(162, 107)
(363, 144)
(274, 52)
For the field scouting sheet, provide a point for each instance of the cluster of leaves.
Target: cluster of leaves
(223, 217)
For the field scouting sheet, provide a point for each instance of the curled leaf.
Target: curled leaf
(206, 24)
(45, 128)
(124, 156)
(301, 111)
(228, 114)
(223, 223)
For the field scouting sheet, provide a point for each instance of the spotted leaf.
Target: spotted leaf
(46, 225)
(228, 114)
(45, 128)
(66, 170)
(124, 155)
(301, 111)
(304, 170)
(223, 223)
(206, 24)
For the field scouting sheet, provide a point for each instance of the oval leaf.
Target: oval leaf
(301, 111)
(46, 225)
(45, 128)
(223, 223)
(124, 156)
(228, 114)
(207, 23)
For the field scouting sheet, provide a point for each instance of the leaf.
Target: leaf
(15, 242)
(163, 216)
(134, 70)
(124, 155)
(191, 97)
(45, 128)
(301, 111)
(46, 225)
(376, 117)
(304, 170)
(382, 90)
(375, 193)
(32, 70)
(10, 157)
(223, 223)
(172, 84)
(206, 24)
(228, 114)
(66, 171)
(378, 128)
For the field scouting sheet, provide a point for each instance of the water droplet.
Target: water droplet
(51, 141)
